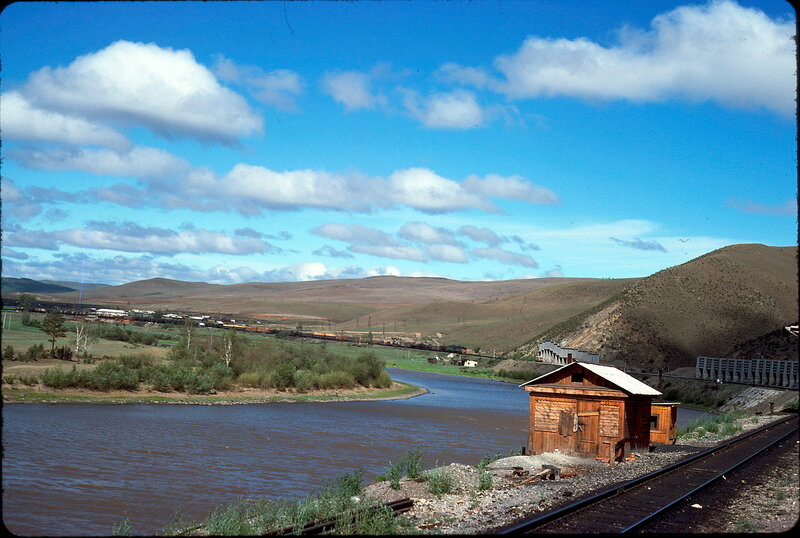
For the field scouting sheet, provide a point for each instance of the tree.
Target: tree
(27, 302)
(53, 326)
(84, 339)
(231, 347)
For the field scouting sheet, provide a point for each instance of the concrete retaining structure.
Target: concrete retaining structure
(768, 372)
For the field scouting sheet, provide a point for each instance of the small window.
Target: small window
(653, 422)
(577, 377)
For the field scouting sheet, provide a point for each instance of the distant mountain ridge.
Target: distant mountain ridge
(706, 306)
(26, 285)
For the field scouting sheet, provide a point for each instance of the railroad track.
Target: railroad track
(630, 506)
(320, 527)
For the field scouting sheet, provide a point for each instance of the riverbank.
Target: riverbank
(38, 393)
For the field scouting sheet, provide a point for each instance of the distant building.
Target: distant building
(552, 353)
(110, 313)
(470, 363)
(770, 372)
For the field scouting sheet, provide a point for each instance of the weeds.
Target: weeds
(122, 527)
(440, 481)
(342, 498)
(409, 465)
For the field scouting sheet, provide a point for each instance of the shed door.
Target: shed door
(588, 427)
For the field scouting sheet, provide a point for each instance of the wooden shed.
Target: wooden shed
(589, 410)
(663, 422)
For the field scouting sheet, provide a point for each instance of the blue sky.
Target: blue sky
(277, 141)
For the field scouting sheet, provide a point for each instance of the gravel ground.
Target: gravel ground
(467, 510)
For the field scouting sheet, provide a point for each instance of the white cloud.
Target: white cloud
(352, 89)
(397, 252)
(22, 121)
(512, 188)
(484, 235)
(638, 244)
(720, 51)
(138, 162)
(16, 204)
(425, 233)
(505, 257)
(131, 237)
(446, 253)
(355, 233)
(129, 83)
(278, 88)
(251, 187)
(458, 109)
(423, 189)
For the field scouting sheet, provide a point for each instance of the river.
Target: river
(76, 469)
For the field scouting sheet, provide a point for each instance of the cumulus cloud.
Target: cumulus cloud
(167, 181)
(135, 84)
(788, 209)
(505, 257)
(512, 188)
(420, 232)
(250, 188)
(16, 203)
(484, 235)
(30, 239)
(458, 109)
(355, 233)
(638, 244)
(446, 253)
(331, 252)
(524, 245)
(278, 88)
(22, 121)
(138, 162)
(390, 251)
(720, 51)
(132, 237)
(423, 189)
(352, 89)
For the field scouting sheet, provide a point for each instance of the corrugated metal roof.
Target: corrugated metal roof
(614, 375)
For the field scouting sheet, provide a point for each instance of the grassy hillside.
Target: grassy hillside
(26, 285)
(703, 307)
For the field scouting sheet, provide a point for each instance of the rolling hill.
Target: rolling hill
(706, 306)
(26, 285)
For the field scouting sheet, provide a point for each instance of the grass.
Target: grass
(439, 481)
(20, 395)
(723, 425)
(342, 498)
(409, 465)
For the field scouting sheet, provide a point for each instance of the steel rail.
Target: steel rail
(318, 527)
(559, 513)
(705, 484)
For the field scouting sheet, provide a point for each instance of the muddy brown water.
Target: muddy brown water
(77, 469)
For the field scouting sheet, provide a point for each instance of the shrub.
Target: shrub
(393, 474)
(440, 481)
(62, 353)
(8, 353)
(34, 353)
(336, 380)
(484, 479)
(412, 462)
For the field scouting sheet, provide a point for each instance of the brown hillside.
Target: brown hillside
(703, 307)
